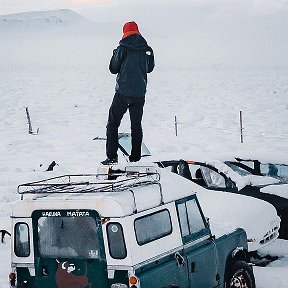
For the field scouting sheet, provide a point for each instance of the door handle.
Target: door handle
(180, 260)
(193, 267)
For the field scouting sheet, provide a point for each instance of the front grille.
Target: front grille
(270, 235)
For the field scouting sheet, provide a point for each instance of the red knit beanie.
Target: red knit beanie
(130, 28)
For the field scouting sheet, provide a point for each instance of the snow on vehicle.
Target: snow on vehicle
(256, 167)
(264, 187)
(131, 227)
(257, 217)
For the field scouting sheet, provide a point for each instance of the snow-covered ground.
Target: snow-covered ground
(275, 275)
(65, 83)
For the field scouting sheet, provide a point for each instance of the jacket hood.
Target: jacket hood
(134, 42)
(130, 28)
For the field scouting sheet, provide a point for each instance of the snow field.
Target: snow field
(68, 89)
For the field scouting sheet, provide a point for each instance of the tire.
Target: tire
(240, 276)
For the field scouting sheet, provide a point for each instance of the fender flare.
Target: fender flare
(240, 253)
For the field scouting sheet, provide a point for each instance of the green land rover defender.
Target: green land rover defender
(137, 227)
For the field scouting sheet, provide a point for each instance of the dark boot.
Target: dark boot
(134, 159)
(109, 161)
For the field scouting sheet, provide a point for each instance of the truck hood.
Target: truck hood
(228, 211)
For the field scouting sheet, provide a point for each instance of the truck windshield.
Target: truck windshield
(69, 237)
(238, 169)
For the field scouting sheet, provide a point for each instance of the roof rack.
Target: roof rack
(114, 181)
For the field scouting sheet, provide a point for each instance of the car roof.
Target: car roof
(135, 195)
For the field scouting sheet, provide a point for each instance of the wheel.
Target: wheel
(240, 276)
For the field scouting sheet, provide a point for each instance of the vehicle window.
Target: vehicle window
(282, 171)
(22, 246)
(264, 169)
(212, 178)
(153, 227)
(125, 143)
(194, 216)
(182, 212)
(238, 169)
(194, 171)
(190, 218)
(68, 237)
(249, 164)
(116, 241)
(275, 170)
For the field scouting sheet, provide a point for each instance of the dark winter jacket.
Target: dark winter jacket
(132, 60)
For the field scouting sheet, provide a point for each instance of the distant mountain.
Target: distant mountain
(54, 17)
(54, 23)
(59, 36)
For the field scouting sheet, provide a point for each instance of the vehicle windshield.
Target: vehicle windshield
(238, 169)
(69, 237)
(212, 178)
(275, 170)
(126, 145)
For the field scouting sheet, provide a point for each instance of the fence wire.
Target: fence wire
(251, 131)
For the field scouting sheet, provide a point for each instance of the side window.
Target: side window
(212, 178)
(184, 225)
(21, 244)
(116, 242)
(153, 227)
(241, 171)
(194, 216)
(190, 218)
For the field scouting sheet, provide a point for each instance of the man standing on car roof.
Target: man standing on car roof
(131, 61)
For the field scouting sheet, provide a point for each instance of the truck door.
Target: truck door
(165, 270)
(69, 249)
(199, 249)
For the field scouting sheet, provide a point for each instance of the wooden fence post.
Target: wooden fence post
(29, 121)
(176, 128)
(241, 127)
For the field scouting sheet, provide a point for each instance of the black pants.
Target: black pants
(117, 110)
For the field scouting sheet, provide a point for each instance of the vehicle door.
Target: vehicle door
(199, 248)
(169, 269)
(68, 249)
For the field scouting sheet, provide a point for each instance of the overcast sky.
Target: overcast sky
(130, 7)
(248, 29)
